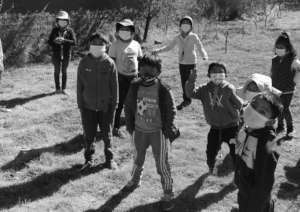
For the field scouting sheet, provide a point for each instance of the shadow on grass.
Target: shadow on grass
(187, 201)
(21, 101)
(291, 188)
(72, 146)
(226, 167)
(113, 202)
(42, 186)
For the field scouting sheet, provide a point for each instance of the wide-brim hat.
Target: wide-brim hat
(125, 23)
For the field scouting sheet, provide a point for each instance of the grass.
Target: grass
(41, 143)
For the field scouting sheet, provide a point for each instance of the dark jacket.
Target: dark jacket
(221, 104)
(255, 183)
(166, 106)
(97, 83)
(282, 74)
(62, 51)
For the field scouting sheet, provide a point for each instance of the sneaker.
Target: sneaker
(183, 104)
(64, 92)
(87, 165)
(167, 202)
(290, 134)
(131, 186)
(279, 130)
(111, 165)
(119, 133)
(57, 91)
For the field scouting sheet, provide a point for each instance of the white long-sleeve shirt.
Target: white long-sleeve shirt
(186, 48)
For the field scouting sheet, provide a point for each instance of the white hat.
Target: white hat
(63, 15)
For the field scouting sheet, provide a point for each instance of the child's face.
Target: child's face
(62, 23)
(217, 75)
(185, 26)
(97, 47)
(280, 50)
(258, 113)
(148, 73)
(125, 33)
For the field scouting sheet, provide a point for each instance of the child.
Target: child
(256, 155)
(61, 39)
(221, 108)
(97, 97)
(125, 52)
(284, 73)
(187, 42)
(256, 84)
(150, 115)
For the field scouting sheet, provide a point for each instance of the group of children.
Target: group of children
(121, 76)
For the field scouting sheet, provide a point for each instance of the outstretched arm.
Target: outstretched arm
(168, 47)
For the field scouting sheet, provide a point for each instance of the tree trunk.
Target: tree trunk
(147, 26)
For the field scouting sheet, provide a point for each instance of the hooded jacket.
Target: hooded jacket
(220, 103)
(166, 106)
(263, 82)
(186, 46)
(255, 167)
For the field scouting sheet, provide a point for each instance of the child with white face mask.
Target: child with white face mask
(61, 40)
(97, 97)
(188, 42)
(256, 154)
(125, 52)
(221, 108)
(285, 74)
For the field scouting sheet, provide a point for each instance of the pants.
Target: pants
(215, 138)
(185, 71)
(60, 66)
(124, 84)
(159, 146)
(286, 113)
(261, 204)
(90, 121)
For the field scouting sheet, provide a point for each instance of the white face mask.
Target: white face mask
(62, 23)
(254, 119)
(217, 78)
(185, 27)
(97, 51)
(280, 52)
(249, 95)
(125, 35)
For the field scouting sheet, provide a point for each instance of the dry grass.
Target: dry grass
(41, 143)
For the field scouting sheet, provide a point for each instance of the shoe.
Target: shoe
(167, 202)
(87, 165)
(131, 186)
(183, 104)
(119, 133)
(57, 91)
(111, 165)
(279, 130)
(290, 134)
(64, 92)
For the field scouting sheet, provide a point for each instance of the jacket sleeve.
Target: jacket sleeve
(191, 91)
(235, 99)
(114, 85)
(79, 86)
(1, 59)
(128, 110)
(168, 47)
(201, 48)
(52, 38)
(72, 41)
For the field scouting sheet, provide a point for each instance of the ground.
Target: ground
(41, 141)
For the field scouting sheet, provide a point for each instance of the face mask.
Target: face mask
(97, 51)
(254, 119)
(217, 78)
(125, 35)
(280, 52)
(185, 27)
(62, 23)
(249, 95)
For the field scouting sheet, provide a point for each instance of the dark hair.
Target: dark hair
(99, 36)
(284, 39)
(216, 64)
(275, 103)
(150, 60)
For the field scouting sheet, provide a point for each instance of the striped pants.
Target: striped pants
(159, 146)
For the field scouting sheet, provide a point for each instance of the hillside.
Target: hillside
(41, 141)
